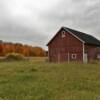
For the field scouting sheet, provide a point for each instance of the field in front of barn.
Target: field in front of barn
(39, 80)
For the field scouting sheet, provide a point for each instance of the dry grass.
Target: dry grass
(40, 80)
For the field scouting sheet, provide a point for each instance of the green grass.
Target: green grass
(39, 80)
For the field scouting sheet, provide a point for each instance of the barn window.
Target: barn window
(74, 56)
(63, 34)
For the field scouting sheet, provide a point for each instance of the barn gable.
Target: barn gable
(63, 29)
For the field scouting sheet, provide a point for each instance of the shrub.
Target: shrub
(14, 57)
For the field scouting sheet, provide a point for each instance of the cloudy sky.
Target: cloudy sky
(34, 22)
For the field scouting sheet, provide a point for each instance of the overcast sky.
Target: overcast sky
(34, 22)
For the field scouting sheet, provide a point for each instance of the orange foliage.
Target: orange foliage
(25, 50)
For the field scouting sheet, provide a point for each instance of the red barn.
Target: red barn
(71, 45)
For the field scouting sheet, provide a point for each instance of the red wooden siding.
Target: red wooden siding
(92, 51)
(61, 49)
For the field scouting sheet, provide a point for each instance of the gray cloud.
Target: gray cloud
(35, 22)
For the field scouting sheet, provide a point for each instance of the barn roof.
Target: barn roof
(86, 38)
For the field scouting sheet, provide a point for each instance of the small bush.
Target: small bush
(14, 57)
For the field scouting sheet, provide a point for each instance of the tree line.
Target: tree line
(25, 50)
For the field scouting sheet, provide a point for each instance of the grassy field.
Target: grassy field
(39, 80)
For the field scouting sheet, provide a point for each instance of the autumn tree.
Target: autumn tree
(26, 50)
(1, 49)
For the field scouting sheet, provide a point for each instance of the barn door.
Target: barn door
(85, 58)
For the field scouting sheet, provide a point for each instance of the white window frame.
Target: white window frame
(74, 56)
(63, 34)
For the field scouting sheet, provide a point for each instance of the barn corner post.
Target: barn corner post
(84, 54)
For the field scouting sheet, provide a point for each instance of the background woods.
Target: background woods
(25, 50)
